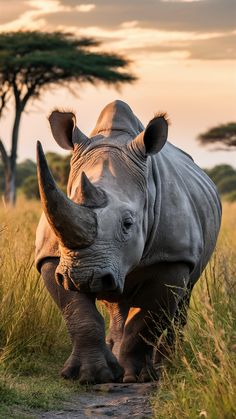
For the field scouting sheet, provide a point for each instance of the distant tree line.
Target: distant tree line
(223, 175)
(26, 177)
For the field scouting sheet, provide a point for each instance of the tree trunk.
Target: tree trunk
(13, 157)
(8, 198)
(10, 191)
(9, 162)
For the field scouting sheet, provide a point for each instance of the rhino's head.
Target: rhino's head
(102, 226)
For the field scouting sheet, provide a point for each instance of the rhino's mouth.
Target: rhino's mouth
(96, 280)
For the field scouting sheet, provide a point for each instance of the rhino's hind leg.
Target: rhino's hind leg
(91, 360)
(118, 313)
(175, 330)
(136, 348)
(167, 285)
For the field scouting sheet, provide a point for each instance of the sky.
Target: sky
(182, 51)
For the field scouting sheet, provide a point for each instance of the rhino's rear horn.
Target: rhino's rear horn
(90, 195)
(74, 225)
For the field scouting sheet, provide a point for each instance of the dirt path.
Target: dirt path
(108, 400)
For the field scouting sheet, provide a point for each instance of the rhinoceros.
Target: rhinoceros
(136, 229)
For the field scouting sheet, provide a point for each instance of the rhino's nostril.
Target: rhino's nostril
(108, 282)
(59, 279)
(65, 281)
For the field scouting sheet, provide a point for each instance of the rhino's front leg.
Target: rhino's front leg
(62, 298)
(86, 326)
(91, 360)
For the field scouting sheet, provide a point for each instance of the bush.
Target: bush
(30, 187)
(26, 178)
(227, 184)
(219, 172)
(224, 176)
(231, 197)
(24, 170)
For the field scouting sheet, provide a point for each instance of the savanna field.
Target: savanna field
(198, 381)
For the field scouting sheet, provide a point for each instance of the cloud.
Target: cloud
(202, 15)
(84, 8)
(179, 1)
(171, 15)
(35, 16)
(133, 41)
(11, 13)
(197, 29)
(200, 29)
(218, 47)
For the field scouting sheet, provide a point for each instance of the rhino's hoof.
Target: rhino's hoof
(71, 368)
(129, 378)
(106, 369)
(113, 364)
(70, 372)
(96, 377)
(147, 374)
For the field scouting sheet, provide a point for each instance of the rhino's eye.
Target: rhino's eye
(128, 222)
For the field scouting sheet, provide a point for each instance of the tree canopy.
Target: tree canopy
(224, 136)
(31, 60)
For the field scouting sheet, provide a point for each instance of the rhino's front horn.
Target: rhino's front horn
(74, 225)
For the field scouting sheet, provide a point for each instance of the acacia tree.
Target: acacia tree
(33, 61)
(224, 136)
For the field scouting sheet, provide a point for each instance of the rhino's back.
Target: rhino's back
(187, 211)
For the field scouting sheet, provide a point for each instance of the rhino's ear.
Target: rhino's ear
(153, 138)
(65, 131)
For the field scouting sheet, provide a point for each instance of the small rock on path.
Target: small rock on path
(108, 400)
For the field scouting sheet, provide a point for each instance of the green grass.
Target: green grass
(198, 381)
(34, 386)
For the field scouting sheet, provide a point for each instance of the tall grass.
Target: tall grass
(30, 322)
(200, 379)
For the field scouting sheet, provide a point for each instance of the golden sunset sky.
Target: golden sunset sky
(182, 51)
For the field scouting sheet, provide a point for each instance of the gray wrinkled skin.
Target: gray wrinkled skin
(155, 235)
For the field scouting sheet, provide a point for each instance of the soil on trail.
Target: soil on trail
(108, 400)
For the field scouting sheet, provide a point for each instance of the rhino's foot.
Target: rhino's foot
(71, 368)
(93, 369)
(102, 369)
(139, 370)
